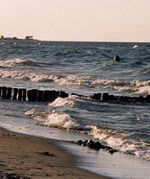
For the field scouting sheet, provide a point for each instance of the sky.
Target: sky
(77, 20)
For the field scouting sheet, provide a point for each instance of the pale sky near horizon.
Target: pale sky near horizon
(77, 20)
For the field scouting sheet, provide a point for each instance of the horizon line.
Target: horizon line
(83, 41)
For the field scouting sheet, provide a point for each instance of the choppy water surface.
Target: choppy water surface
(83, 68)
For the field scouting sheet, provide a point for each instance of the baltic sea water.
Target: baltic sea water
(84, 68)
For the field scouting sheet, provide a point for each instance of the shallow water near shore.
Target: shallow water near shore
(83, 68)
(118, 165)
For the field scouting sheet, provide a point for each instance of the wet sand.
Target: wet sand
(37, 158)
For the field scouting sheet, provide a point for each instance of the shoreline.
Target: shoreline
(34, 157)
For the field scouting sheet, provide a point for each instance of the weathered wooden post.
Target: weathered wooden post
(96, 96)
(46, 96)
(24, 94)
(105, 97)
(63, 94)
(40, 95)
(14, 93)
(4, 92)
(32, 95)
(9, 93)
(20, 94)
(0, 91)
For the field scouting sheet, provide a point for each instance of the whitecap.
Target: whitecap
(57, 119)
(143, 90)
(70, 101)
(16, 61)
(53, 119)
(30, 112)
(121, 142)
(135, 46)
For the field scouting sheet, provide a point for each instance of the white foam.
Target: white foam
(144, 90)
(140, 87)
(135, 86)
(53, 119)
(31, 112)
(135, 46)
(60, 120)
(27, 76)
(41, 78)
(40, 116)
(70, 101)
(121, 142)
(72, 80)
(14, 62)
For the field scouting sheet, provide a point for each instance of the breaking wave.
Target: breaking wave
(7, 70)
(17, 62)
(139, 87)
(26, 76)
(54, 119)
(70, 101)
(113, 138)
(135, 86)
(121, 142)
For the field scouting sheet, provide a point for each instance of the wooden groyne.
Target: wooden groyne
(35, 95)
(106, 97)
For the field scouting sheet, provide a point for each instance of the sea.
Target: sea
(83, 68)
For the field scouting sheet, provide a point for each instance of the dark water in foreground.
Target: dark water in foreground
(83, 68)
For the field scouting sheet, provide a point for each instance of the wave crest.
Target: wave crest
(134, 86)
(17, 61)
(70, 101)
(121, 142)
(62, 120)
(53, 119)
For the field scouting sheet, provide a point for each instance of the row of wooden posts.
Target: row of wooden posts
(35, 95)
(106, 97)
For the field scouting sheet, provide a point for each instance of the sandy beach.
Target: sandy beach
(31, 157)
